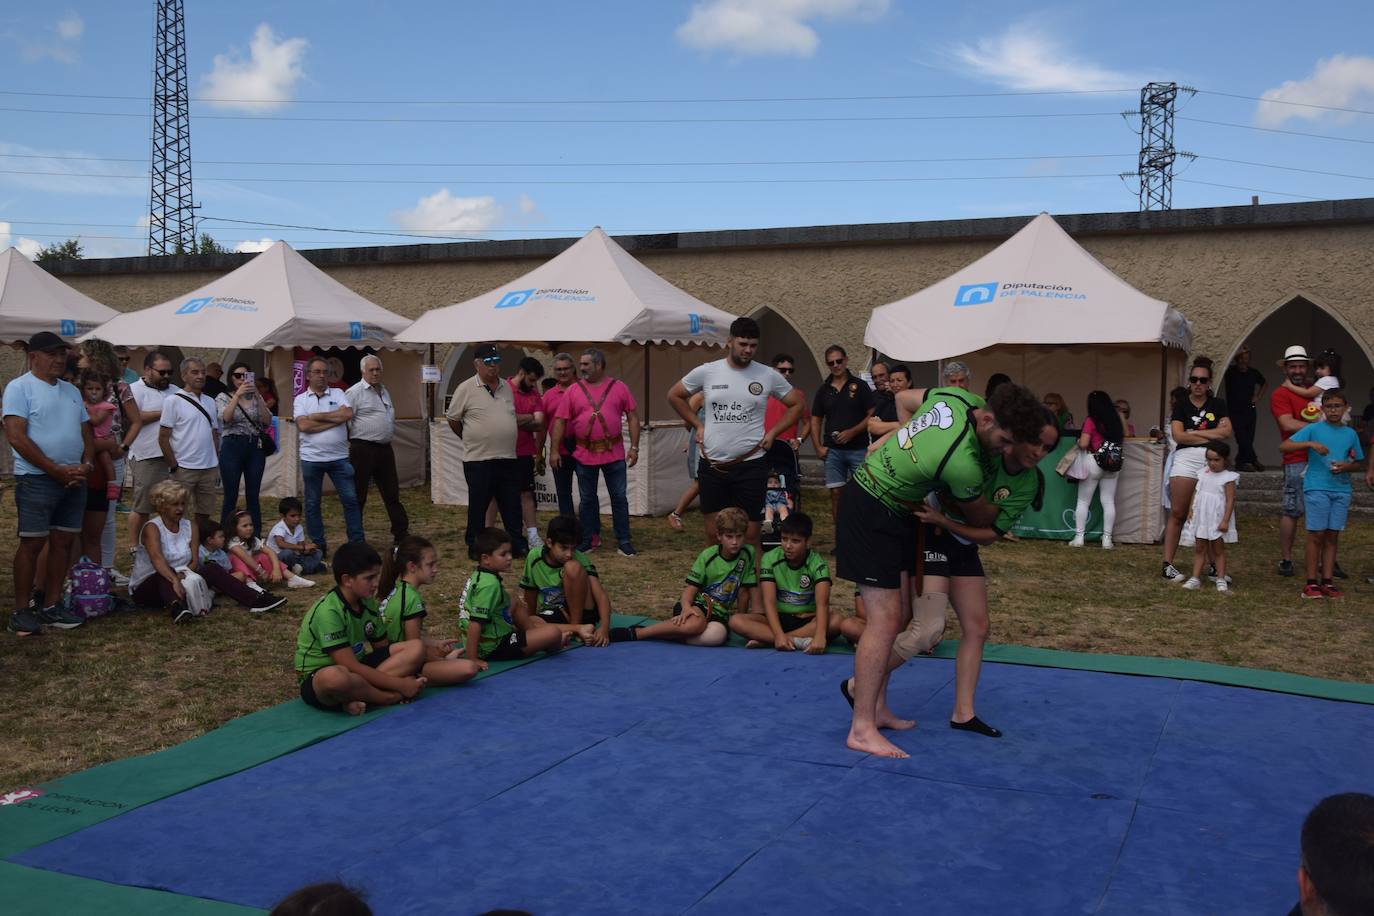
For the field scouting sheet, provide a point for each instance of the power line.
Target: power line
(1274, 130)
(597, 121)
(1288, 168)
(1257, 98)
(669, 101)
(1236, 187)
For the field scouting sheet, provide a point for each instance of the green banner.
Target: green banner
(1054, 519)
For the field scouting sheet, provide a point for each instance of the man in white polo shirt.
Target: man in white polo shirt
(150, 468)
(369, 444)
(188, 437)
(322, 414)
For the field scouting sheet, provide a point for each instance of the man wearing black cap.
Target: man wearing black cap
(482, 414)
(50, 432)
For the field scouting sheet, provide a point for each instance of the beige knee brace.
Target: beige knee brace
(927, 626)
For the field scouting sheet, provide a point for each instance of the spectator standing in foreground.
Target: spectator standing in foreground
(50, 433)
(189, 439)
(1243, 386)
(1287, 407)
(482, 414)
(1102, 425)
(243, 419)
(1197, 421)
(1336, 871)
(322, 414)
(150, 469)
(370, 434)
(839, 423)
(564, 374)
(592, 410)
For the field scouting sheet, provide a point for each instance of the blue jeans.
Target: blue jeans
(590, 511)
(562, 484)
(309, 563)
(340, 473)
(240, 457)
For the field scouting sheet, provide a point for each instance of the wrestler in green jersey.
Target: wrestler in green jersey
(937, 448)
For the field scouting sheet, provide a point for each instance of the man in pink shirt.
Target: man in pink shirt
(591, 412)
(564, 375)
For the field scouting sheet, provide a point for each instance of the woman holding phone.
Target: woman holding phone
(244, 417)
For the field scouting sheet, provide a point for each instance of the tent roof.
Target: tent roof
(278, 299)
(1037, 287)
(595, 291)
(33, 300)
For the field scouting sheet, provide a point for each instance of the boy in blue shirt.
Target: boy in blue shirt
(1333, 451)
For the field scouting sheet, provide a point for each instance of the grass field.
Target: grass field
(133, 683)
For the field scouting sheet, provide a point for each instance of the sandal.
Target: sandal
(675, 521)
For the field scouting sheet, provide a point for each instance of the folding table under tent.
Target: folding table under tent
(594, 293)
(274, 303)
(1050, 315)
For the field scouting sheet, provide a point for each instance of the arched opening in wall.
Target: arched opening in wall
(1300, 320)
(778, 335)
(458, 368)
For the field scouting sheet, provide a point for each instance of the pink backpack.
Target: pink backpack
(88, 591)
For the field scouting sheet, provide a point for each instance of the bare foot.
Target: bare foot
(675, 521)
(586, 633)
(886, 718)
(355, 708)
(874, 744)
(755, 644)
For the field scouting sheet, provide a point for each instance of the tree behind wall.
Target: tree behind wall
(70, 250)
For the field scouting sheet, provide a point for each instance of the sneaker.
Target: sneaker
(1312, 590)
(54, 616)
(297, 569)
(596, 542)
(1077, 541)
(1106, 542)
(256, 587)
(182, 614)
(1285, 567)
(1338, 573)
(801, 643)
(1223, 587)
(536, 542)
(299, 582)
(1331, 591)
(628, 550)
(267, 602)
(118, 579)
(24, 623)
(1193, 584)
(1170, 573)
(1212, 575)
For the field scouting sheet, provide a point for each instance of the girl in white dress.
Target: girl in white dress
(1212, 521)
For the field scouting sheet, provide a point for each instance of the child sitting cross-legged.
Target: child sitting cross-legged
(561, 586)
(484, 611)
(415, 564)
(718, 585)
(794, 582)
(287, 537)
(335, 668)
(251, 560)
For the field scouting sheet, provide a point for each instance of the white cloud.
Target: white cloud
(443, 213)
(58, 175)
(27, 247)
(1027, 59)
(70, 27)
(252, 247)
(1338, 81)
(768, 26)
(267, 77)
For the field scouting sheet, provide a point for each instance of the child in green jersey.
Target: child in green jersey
(794, 582)
(561, 586)
(718, 585)
(335, 670)
(415, 564)
(493, 632)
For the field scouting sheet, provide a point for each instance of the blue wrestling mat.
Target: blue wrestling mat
(654, 778)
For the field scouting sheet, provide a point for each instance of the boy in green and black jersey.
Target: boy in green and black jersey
(794, 582)
(561, 586)
(495, 632)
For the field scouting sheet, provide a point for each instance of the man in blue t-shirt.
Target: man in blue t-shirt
(1333, 451)
(48, 428)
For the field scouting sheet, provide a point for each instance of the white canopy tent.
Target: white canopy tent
(1050, 315)
(276, 302)
(33, 300)
(593, 293)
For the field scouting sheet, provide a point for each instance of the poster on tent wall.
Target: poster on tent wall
(1139, 515)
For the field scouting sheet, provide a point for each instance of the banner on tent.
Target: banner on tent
(1139, 515)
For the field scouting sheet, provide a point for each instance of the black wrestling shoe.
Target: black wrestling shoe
(1338, 573)
(1286, 568)
(975, 725)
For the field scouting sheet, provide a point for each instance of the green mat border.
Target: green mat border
(291, 725)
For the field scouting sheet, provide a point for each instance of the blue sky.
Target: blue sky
(520, 163)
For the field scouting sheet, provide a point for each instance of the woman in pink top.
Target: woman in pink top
(1102, 425)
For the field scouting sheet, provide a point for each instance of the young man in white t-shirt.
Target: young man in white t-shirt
(734, 442)
(188, 438)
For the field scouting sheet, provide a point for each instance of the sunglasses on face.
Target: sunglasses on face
(239, 375)
(1195, 380)
(491, 360)
(835, 362)
(165, 373)
(785, 370)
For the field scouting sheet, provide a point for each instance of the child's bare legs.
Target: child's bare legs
(575, 591)
(1219, 558)
(1314, 552)
(546, 638)
(445, 672)
(337, 686)
(783, 513)
(1199, 557)
(715, 634)
(691, 627)
(753, 627)
(689, 496)
(405, 660)
(1329, 539)
(583, 631)
(768, 516)
(852, 628)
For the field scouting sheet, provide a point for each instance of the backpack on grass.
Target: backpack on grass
(88, 591)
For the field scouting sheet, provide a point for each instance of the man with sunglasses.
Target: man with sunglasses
(482, 414)
(839, 423)
(149, 468)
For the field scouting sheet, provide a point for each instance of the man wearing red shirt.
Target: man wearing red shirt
(564, 374)
(782, 456)
(1287, 407)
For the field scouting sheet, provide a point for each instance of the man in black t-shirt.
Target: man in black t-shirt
(1243, 386)
(839, 422)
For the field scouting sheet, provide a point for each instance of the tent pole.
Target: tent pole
(1163, 386)
(645, 400)
(433, 388)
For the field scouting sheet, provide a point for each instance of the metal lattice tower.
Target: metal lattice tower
(1156, 165)
(171, 226)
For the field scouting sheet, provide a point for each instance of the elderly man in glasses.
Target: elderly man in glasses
(322, 413)
(482, 414)
(149, 467)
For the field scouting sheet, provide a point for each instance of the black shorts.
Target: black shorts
(792, 622)
(524, 473)
(873, 544)
(371, 659)
(740, 485)
(508, 649)
(560, 615)
(947, 556)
